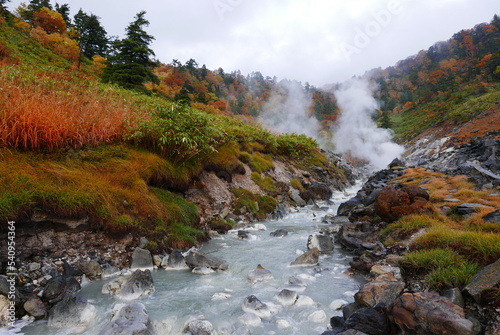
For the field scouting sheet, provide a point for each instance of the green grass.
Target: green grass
(259, 205)
(264, 182)
(408, 225)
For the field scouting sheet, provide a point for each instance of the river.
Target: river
(218, 297)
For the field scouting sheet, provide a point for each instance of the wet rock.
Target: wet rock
(368, 320)
(324, 243)
(455, 296)
(174, 261)
(352, 234)
(337, 304)
(349, 309)
(194, 259)
(141, 259)
(243, 234)
(139, 284)
(470, 208)
(252, 304)
(72, 311)
(287, 297)
(109, 271)
(295, 196)
(35, 307)
(492, 217)
(485, 279)
(383, 289)
(91, 269)
(250, 319)
(310, 257)
(200, 327)
(259, 274)
(202, 270)
(428, 313)
(346, 207)
(129, 319)
(317, 317)
(279, 233)
(57, 287)
(337, 324)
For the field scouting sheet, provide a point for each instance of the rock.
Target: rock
(324, 243)
(200, 327)
(346, 207)
(337, 304)
(35, 307)
(194, 259)
(287, 297)
(310, 257)
(174, 261)
(391, 203)
(157, 260)
(259, 274)
(139, 284)
(317, 317)
(109, 271)
(485, 279)
(317, 191)
(243, 234)
(202, 270)
(492, 217)
(91, 269)
(378, 270)
(455, 296)
(470, 208)
(283, 324)
(33, 267)
(129, 319)
(428, 313)
(352, 332)
(4, 310)
(368, 320)
(279, 233)
(304, 300)
(383, 289)
(349, 309)
(141, 259)
(252, 304)
(57, 287)
(295, 196)
(352, 234)
(72, 311)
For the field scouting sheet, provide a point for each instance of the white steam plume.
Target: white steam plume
(288, 111)
(356, 131)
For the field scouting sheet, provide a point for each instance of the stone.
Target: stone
(174, 261)
(287, 297)
(304, 300)
(109, 271)
(91, 269)
(383, 289)
(141, 259)
(157, 260)
(368, 320)
(455, 296)
(72, 311)
(4, 310)
(492, 217)
(310, 257)
(378, 270)
(252, 304)
(470, 208)
(317, 191)
(324, 243)
(202, 270)
(139, 284)
(352, 234)
(337, 304)
(485, 279)
(35, 307)
(295, 196)
(259, 274)
(243, 234)
(250, 319)
(201, 327)
(391, 203)
(129, 319)
(57, 287)
(317, 317)
(346, 207)
(428, 313)
(194, 259)
(279, 233)
(33, 267)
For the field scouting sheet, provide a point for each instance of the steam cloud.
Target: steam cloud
(287, 111)
(356, 132)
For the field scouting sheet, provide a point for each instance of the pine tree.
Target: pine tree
(130, 66)
(64, 11)
(92, 37)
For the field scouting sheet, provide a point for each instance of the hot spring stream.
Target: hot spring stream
(219, 296)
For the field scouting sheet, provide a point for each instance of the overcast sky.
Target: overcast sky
(315, 41)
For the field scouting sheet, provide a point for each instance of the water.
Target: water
(180, 295)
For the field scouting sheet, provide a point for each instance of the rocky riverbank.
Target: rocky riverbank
(397, 300)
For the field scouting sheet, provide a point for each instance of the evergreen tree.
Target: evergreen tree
(92, 37)
(64, 11)
(130, 65)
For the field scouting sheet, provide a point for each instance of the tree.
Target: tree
(51, 22)
(130, 66)
(64, 11)
(92, 37)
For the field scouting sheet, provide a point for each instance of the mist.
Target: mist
(356, 132)
(288, 111)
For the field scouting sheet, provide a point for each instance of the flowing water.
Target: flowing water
(218, 296)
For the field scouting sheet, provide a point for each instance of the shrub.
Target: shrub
(266, 183)
(254, 203)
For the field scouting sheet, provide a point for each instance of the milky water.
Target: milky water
(180, 295)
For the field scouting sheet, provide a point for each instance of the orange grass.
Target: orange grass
(58, 110)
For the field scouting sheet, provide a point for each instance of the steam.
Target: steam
(288, 110)
(356, 132)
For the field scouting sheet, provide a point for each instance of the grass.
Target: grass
(258, 205)
(264, 182)
(408, 225)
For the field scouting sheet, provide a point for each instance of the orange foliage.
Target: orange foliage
(484, 60)
(61, 44)
(56, 111)
(408, 105)
(50, 21)
(98, 64)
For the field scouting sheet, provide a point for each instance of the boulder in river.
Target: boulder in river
(174, 261)
(368, 320)
(279, 233)
(139, 284)
(252, 304)
(322, 242)
(259, 274)
(141, 259)
(310, 257)
(287, 297)
(130, 319)
(194, 259)
(72, 311)
(58, 287)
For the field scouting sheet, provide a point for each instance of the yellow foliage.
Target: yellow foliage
(61, 44)
(98, 64)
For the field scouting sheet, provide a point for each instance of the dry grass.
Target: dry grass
(58, 110)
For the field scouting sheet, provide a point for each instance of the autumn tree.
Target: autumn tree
(131, 66)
